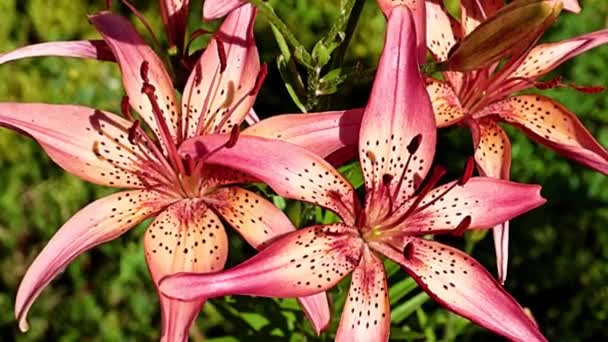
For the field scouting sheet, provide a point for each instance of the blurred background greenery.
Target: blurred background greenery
(559, 264)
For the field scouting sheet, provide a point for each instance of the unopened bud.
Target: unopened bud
(518, 24)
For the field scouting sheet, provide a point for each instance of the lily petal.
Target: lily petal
(397, 137)
(418, 13)
(487, 201)
(545, 57)
(439, 34)
(462, 285)
(446, 105)
(185, 237)
(219, 90)
(99, 222)
(214, 9)
(473, 12)
(175, 19)
(260, 222)
(493, 158)
(322, 133)
(290, 170)
(94, 146)
(301, 263)
(94, 49)
(571, 5)
(253, 217)
(131, 51)
(551, 124)
(366, 314)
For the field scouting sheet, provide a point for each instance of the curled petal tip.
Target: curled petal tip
(23, 325)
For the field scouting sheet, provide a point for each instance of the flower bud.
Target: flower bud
(518, 24)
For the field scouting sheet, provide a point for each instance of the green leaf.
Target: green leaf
(403, 311)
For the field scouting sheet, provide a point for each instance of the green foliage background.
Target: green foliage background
(559, 265)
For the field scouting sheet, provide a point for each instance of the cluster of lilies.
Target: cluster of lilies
(181, 159)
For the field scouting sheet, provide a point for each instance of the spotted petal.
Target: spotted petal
(366, 314)
(131, 51)
(219, 90)
(546, 57)
(462, 285)
(94, 49)
(290, 170)
(214, 9)
(487, 201)
(418, 12)
(397, 138)
(493, 158)
(260, 222)
(301, 263)
(446, 105)
(439, 35)
(321, 133)
(551, 124)
(99, 222)
(94, 145)
(186, 237)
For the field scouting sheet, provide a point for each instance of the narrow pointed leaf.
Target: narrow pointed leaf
(398, 115)
(94, 49)
(185, 237)
(321, 133)
(446, 105)
(366, 314)
(302, 263)
(99, 222)
(551, 124)
(94, 145)
(218, 92)
(131, 51)
(462, 285)
(290, 170)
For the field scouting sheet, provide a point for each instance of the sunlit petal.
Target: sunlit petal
(397, 138)
(446, 105)
(99, 222)
(131, 51)
(462, 285)
(94, 49)
(439, 35)
(366, 314)
(186, 237)
(551, 124)
(219, 90)
(94, 145)
(546, 57)
(214, 9)
(259, 222)
(487, 201)
(301, 263)
(290, 170)
(493, 158)
(321, 133)
(418, 12)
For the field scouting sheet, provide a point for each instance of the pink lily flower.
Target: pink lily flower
(481, 98)
(186, 197)
(396, 148)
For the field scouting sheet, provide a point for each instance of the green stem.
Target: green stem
(268, 12)
(354, 7)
